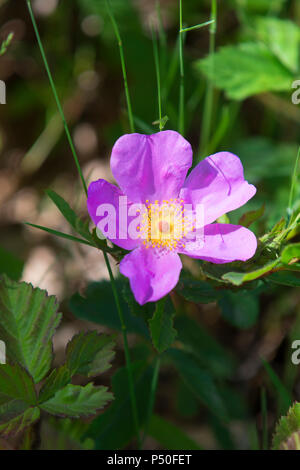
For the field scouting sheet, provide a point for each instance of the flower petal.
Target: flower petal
(103, 193)
(151, 166)
(151, 277)
(218, 183)
(224, 243)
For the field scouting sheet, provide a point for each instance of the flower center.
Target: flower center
(163, 226)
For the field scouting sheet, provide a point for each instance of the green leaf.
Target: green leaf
(252, 216)
(285, 279)
(28, 319)
(74, 401)
(196, 291)
(5, 44)
(90, 353)
(78, 225)
(58, 379)
(98, 306)
(16, 384)
(282, 37)
(17, 399)
(199, 381)
(60, 234)
(208, 351)
(290, 252)
(287, 434)
(241, 309)
(115, 428)
(246, 70)
(87, 354)
(284, 396)
(18, 422)
(10, 265)
(144, 311)
(161, 325)
(238, 278)
(170, 436)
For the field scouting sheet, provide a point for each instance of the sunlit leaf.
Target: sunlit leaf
(28, 319)
(74, 401)
(246, 70)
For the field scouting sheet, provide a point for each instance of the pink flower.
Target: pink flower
(151, 170)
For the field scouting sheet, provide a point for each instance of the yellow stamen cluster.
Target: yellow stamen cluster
(164, 225)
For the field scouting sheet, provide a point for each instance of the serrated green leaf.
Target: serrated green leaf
(282, 37)
(287, 434)
(19, 422)
(252, 216)
(199, 381)
(16, 384)
(17, 399)
(89, 353)
(241, 309)
(78, 225)
(74, 401)
(196, 291)
(28, 319)
(58, 379)
(161, 325)
(170, 436)
(246, 70)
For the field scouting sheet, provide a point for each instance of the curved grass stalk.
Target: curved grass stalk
(122, 57)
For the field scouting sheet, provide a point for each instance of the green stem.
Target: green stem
(197, 26)
(59, 106)
(152, 395)
(264, 414)
(124, 71)
(115, 292)
(181, 124)
(126, 348)
(157, 69)
(208, 106)
(293, 187)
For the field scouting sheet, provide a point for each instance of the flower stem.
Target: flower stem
(115, 292)
(126, 348)
(181, 123)
(152, 395)
(124, 71)
(157, 69)
(208, 106)
(59, 106)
